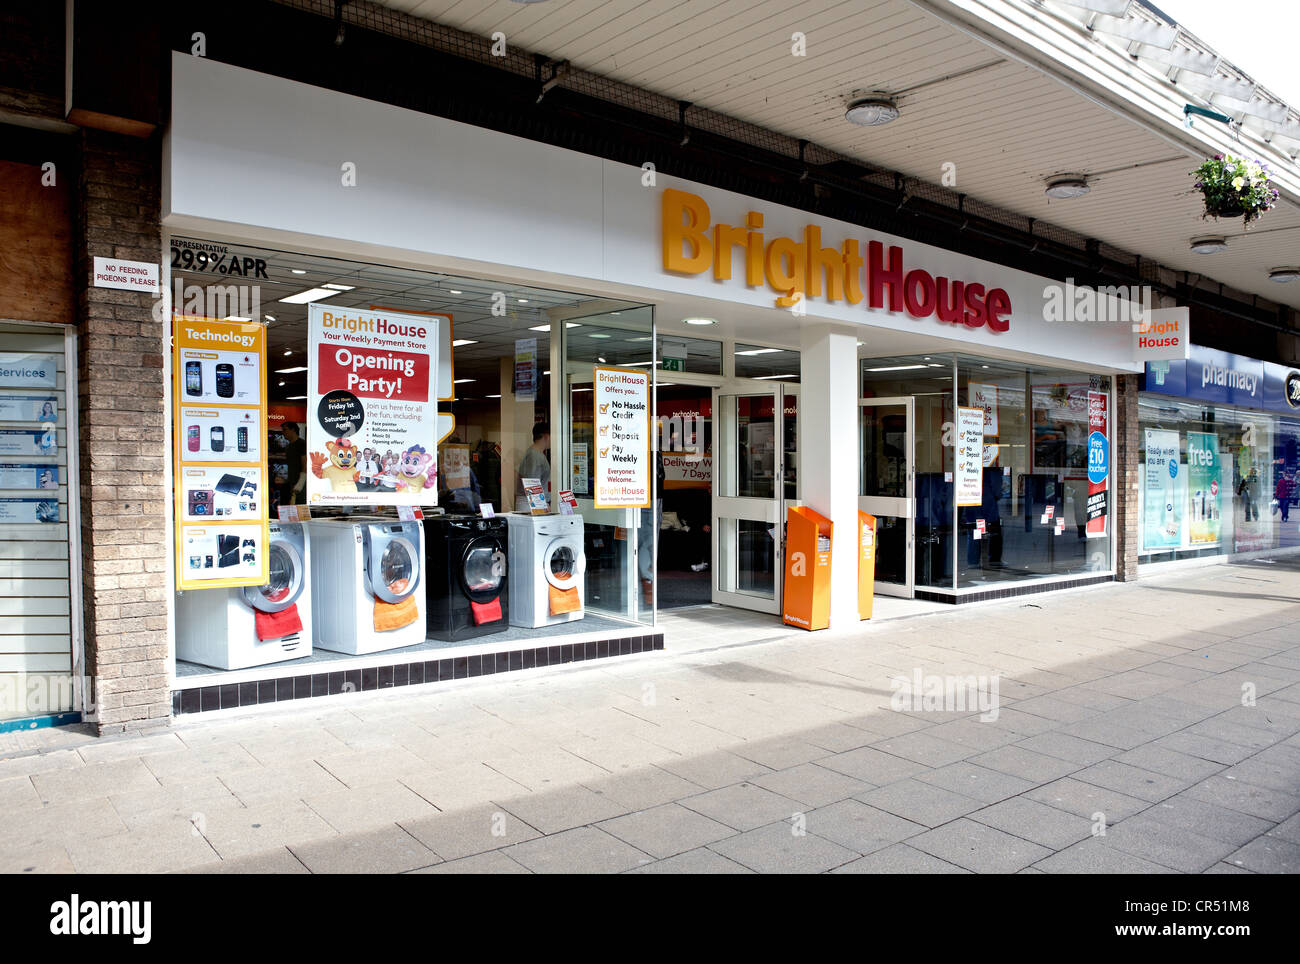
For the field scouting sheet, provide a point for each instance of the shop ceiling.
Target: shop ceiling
(1004, 127)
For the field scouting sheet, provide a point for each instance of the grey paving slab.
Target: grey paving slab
(778, 754)
(491, 862)
(1162, 759)
(920, 802)
(978, 847)
(1288, 829)
(1186, 812)
(1205, 747)
(859, 827)
(1086, 799)
(714, 770)
(1268, 855)
(699, 861)
(899, 859)
(1161, 843)
(643, 787)
(1016, 761)
(583, 850)
(279, 860)
(980, 783)
(463, 833)
(872, 765)
(812, 785)
(1063, 746)
(743, 806)
(666, 830)
(1261, 802)
(777, 849)
(563, 808)
(1131, 781)
(1095, 856)
(390, 850)
(1280, 774)
(1036, 822)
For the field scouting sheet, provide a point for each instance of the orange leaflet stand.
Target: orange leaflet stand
(866, 563)
(807, 598)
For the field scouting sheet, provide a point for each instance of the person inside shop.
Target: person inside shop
(295, 483)
(1248, 491)
(1283, 494)
(535, 465)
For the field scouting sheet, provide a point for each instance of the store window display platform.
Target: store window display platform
(199, 690)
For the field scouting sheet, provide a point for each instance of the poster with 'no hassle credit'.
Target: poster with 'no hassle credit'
(622, 400)
(372, 412)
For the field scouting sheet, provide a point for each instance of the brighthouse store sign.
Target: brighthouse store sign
(804, 268)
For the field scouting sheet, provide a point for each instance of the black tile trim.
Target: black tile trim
(204, 699)
(1008, 592)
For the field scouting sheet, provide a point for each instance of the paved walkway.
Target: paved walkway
(1127, 707)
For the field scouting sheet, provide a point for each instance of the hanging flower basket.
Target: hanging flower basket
(1233, 187)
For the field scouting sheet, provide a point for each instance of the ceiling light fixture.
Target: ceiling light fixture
(298, 270)
(1067, 186)
(897, 368)
(290, 371)
(522, 301)
(760, 351)
(464, 381)
(699, 321)
(288, 352)
(567, 324)
(454, 291)
(600, 359)
(282, 384)
(308, 296)
(463, 341)
(1283, 275)
(871, 112)
(337, 287)
(759, 378)
(492, 396)
(598, 334)
(1210, 244)
(296, 398)
(236, 318)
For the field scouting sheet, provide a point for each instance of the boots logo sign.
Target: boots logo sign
(1292, 389)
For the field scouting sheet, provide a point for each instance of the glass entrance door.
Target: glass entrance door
(887, 489)
(755, 456)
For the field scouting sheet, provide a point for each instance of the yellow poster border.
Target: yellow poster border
(595, 414)
(179, 523)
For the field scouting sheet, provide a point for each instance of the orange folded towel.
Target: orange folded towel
(563, 600)
(390, 616)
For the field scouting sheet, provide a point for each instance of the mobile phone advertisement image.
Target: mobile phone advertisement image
(372, 407)
(219, 414)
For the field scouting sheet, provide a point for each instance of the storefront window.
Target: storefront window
(509, 344)
(1214, 480)
(1045, 508)
(769, 364)
(699, 356)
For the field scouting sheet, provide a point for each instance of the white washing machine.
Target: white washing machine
(545, 554)
(255, 625)
(366, 587)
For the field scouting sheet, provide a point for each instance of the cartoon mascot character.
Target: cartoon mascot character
(415, 470)
(339, 467)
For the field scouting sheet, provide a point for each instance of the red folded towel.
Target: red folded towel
(277, 625)
(486, 612)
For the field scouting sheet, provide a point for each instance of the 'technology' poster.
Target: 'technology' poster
(372, 412)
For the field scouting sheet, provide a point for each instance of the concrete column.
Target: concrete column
(828, 452)
(1124, 478)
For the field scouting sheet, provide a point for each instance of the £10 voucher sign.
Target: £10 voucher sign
(622, 400)
(372, 418)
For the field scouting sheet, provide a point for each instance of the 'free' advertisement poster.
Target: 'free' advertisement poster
(372, 411)
(622, 400)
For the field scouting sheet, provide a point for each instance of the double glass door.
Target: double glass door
(755, 478)
(887, 489)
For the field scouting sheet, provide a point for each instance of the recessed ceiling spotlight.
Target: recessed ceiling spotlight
(282, 384)
(871, 112)
(699, 321)
(269, 317)
(1210, 244)
(288, 352)
(600, 359)
(522, 301)
(1283, 275)
(454, 291)
(298, 270)
(1067, 186)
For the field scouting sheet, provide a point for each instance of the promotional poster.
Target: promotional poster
(1098, 465)
(372, 407)
(1205, 486)
(1164, 492)
(622, 401)
(220, 471)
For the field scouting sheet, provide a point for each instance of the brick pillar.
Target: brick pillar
(124, 499)
(1127, 467)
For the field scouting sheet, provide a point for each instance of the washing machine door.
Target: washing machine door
(483, 569)
(392, 563)
(563, 562)
(286, 578)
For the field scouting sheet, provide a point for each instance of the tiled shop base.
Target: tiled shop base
(226, 696)
(1006, 592)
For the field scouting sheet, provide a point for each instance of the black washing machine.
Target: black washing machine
(467, 576)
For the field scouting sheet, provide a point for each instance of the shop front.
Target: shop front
(1220, 456)
(514, 400)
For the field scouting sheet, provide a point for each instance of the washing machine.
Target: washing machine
(547, 569)
(466, 576)
(254, 625)
(366, 584)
